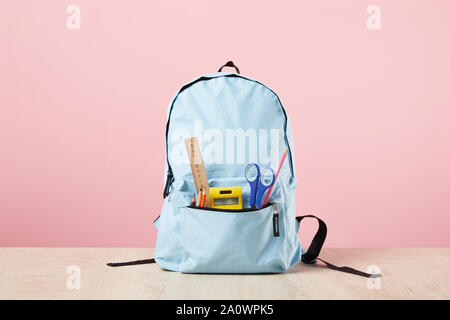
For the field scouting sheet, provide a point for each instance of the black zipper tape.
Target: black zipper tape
(230, 210)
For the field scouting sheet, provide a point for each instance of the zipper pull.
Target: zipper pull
(169, 181)
(276, 223)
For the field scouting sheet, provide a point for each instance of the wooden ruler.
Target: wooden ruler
(197, 167)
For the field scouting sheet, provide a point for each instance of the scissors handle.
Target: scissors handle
(253, 193)
(253, 181)
(259, 195)
(261, 189)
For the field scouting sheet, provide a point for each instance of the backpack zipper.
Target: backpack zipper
(276, 221)
(230, 210)
(169, 181)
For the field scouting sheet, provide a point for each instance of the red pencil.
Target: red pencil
(268, 192)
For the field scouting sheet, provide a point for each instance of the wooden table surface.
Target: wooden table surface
(42, 273)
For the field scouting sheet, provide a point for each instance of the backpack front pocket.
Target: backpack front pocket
(233, 241)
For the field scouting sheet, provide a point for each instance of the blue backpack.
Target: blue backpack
(238, 121)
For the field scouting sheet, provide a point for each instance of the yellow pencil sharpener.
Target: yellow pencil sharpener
(226, 197)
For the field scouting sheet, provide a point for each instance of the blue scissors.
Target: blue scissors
(259, 182)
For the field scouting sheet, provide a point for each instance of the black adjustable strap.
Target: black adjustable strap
(130, 263)
(311, 255)
(229, 64)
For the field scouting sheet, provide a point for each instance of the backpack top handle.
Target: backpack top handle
(229, 64)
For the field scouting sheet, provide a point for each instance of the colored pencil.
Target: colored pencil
(202, 202)
(266, 199)
(199, 198)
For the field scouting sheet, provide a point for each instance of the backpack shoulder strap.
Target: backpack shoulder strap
(312, 254)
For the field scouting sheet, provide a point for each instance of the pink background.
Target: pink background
(82, 112)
